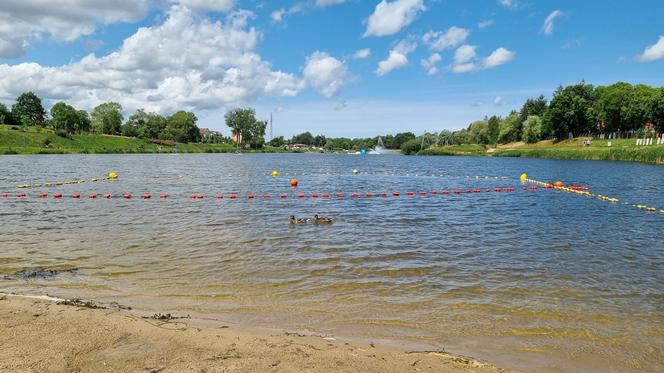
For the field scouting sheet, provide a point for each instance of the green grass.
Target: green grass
(620, 150)
(34, 140)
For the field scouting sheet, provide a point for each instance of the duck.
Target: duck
(322, 220)
(294, 220)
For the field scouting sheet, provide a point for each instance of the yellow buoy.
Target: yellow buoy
(524, 177)
(275, 173)
(112, 175)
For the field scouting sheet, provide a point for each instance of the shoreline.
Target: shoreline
(45, 333)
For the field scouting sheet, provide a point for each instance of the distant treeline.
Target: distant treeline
(576, 110)
(343, 143)
(106, 118)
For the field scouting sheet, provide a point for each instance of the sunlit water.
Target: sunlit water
(538, 280)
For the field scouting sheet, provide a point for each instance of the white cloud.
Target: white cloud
(207, 5)
(439, 40)
(215, 66)
(466, 59)
(23, 21)
(395, 60)
(508, 3)
(464, 54)
(547, 26)
(484, 24)
(278, 15)
(498, 101)
(430, 63)
(653, 52)
(324, 3)
(326, 73)
(397, 57)
(498, 57)
(362, 54)
(389, 18)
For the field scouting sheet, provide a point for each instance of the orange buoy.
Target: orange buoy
(294, 182)
(559, 184)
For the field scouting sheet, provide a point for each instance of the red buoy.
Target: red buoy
(355, 195)
(300, 195)
(163, 196)
(76, 195)
(92, 196)
(395, 194)
(340, 195)
(315, 195)
(283, 195)
(266, 196)
(233, 196)
(127, 196)
(43, 195)
(326, 195)
(250, 196)
(57, 195)
(146, 196)
(423, 194)
(410, 193)
(369, 194)
(107, 196)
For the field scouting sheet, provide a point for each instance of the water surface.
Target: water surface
(540, 280)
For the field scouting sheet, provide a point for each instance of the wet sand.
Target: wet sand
(40, 335)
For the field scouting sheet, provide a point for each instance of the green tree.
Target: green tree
(461, 137)
(571, 110)
(532, 106)
(181, 127)
(29, 109)
(65, 118)
(656, 110)
(305, 138)
(84, 125)
(493, 129)
(478, 133)
(107, 118)
(277, 142)
(243, 123)
(257, 139)
(445, 137)
(320, 141)
(129, 130)
(401, 138)
(411, 146)
(509, 129)
(610, 106)
(532, 129)
(6, 116)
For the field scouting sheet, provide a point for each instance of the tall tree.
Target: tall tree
(6, 116)
(571, 110)
(28, 109)
(509, 129)
(477, 132)
(532, 106)
(107, 118)
(305, 138)
(532, 129)
(65, 117)
(493, 129)
(181, 127)
(243, 123)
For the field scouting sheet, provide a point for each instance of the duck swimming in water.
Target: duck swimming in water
(294, 220)
(322, 220)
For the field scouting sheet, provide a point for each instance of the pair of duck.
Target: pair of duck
(317, 220)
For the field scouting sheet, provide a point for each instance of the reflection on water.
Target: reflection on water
(539, 280)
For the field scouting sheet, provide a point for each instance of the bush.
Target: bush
(46, 142)
(63, 134)
(411, 147)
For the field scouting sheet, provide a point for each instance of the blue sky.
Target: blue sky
(337, 67)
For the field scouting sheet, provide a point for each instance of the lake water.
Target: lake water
(539, 280)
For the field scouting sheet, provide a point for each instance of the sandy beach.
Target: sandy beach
(41, 335)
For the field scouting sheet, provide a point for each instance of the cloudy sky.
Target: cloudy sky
(337, 67)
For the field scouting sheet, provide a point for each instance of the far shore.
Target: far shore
(42, 334)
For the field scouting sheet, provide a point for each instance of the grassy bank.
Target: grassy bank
(42, 141)
(620, 150)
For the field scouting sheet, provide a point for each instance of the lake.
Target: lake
(541, 280)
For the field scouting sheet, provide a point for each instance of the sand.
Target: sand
(39, 335)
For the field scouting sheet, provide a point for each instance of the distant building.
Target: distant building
(236, 137)
(206, 133)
